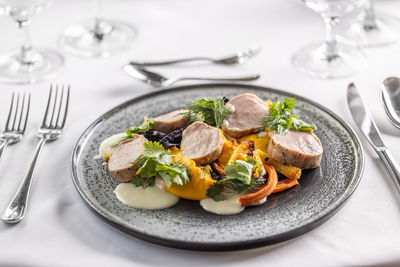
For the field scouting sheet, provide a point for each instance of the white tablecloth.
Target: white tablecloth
(59, 230)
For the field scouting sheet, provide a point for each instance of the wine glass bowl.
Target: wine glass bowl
(331, 59)
(370, 30)
(28, 64)
(98, 38)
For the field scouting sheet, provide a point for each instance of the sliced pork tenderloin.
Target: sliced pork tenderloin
(297, 148)
(171, 121)
(120, 162)
(248, 112)
(202, 143)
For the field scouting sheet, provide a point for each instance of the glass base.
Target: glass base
(43, 64)
(312, 61)
(101, 40)
(384, 32)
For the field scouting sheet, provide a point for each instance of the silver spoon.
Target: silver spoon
(240, 57)
(391, 99)
(158, 80)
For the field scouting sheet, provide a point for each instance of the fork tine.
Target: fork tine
(26, 113)
(9, 113)
(47, 108)
(60, 106)
(22, 112)
(15, 114)
(66, 108)
(54, 109)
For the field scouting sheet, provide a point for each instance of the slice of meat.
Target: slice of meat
(126, 152)
(202, 143)
(297, 148)
(172, 121)
(248, 112)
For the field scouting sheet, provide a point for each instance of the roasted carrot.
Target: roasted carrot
(265, 191)
(285, 184)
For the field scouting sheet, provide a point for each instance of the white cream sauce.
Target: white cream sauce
(149, 198)
(228, 206)
(262, 201)
(107, 146)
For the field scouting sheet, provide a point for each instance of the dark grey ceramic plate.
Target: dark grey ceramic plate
(285, 215)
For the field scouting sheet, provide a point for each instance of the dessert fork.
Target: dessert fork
(16, 121)
(239, 58)
(51, 129)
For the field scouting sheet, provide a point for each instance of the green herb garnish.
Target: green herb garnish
(212, 111)
(238, 180)
(280, 119)
(146, 126)
(156, 161)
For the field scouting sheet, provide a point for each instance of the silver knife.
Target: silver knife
(367, 126)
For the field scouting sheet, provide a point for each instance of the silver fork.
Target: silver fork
(51, 129)
(239, 58)
(16, 121)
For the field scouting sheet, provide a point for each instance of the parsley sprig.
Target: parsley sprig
(212, 111)
(238, 180)
(156, 161)
(146, 126)
(280, 119)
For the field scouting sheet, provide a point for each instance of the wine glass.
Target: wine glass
(369, 30)
(99, 37)
(331, 59)
(29, 64)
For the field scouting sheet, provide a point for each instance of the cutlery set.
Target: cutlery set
(138, 71)
(391, 99)
(50, 130)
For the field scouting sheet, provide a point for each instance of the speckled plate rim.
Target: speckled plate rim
(222, 246)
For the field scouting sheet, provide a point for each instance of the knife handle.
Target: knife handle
(391, 165)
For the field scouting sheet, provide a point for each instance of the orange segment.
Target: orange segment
(290, 172)
(227, 150)
(260, 140)
(200, 180)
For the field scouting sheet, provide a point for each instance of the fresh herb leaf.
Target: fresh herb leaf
(216, 191)
(156, 161)
(280, 119)
(156, 151)
(146, 126)
(238, 180)
(212, 111)
(143, 181)
(240, 170)
(173, 174)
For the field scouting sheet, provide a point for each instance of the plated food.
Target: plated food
(228, 154)
(321, 192)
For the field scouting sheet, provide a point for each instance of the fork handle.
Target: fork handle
(15, 211)
(3, 146)
(169, 62)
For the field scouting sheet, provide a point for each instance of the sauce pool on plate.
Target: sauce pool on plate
(150, 198)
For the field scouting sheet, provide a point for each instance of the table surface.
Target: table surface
(59, 230)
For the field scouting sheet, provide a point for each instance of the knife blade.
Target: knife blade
(371, 132)
(362, 118)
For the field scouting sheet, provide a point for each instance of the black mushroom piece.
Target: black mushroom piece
(167, 140)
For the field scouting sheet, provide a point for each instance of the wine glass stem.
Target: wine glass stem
(367, 16)
(101, 27)
(330, 37)
(99, 11)
(26, 46)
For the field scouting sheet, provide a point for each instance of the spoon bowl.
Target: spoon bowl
(390, 94)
